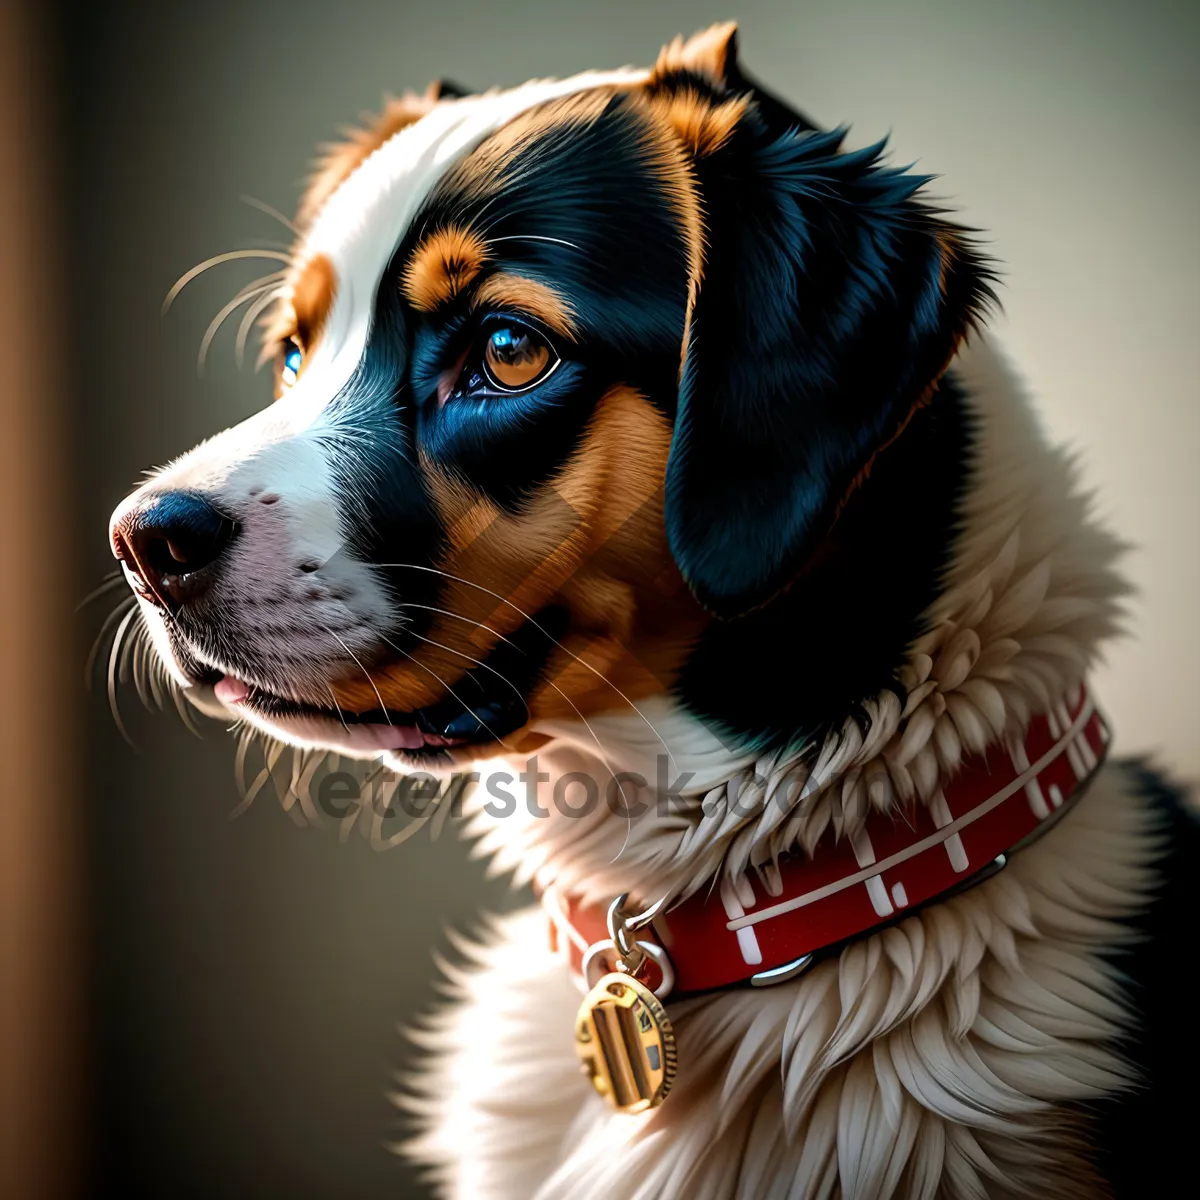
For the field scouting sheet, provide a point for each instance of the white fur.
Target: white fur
(938, 1058)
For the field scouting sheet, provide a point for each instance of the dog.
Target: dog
(636, 435)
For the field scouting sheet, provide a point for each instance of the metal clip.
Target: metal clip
(629, 954)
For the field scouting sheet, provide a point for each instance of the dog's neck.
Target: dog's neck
(1027, 593)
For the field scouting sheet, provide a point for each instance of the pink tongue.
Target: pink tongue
(230, 690)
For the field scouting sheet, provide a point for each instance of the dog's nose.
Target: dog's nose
(166, 541)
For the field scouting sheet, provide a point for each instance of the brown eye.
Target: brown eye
(515, 358)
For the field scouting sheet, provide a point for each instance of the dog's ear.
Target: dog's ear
(828, 303)
(711, 56)
(446, 89)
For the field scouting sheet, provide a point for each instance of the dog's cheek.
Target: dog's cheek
(591, 543)
(498, 570)
(632, 618)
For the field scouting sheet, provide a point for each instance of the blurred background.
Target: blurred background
(194, 1006)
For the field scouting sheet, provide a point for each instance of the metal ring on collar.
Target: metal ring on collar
(650, 949)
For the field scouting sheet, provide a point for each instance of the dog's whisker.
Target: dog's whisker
(127, 668)
(533, 237)
(219, 320)
(114, 657)
(603, 757)
(449, 690)
(123, 607)
(477, 662)
(264, 207)
(299, 759)
(252, 792)
(245, 739)
(485, 229)
(137, 664)
(549, 683)
(459, 617)
(273, 750)
(282, 779)
(157, 679)
(268, 243)
(247, 322)
(171, 685)
(181, 704)
(216, 261)
(338, 708)
(358, 663)
(312, 764)
(255, 285)
(112, 580)
(160, 683)
(541, 629)
(149, 688)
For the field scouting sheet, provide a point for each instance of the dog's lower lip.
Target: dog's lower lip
(363, 731)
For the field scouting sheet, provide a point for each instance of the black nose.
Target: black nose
(167, 540)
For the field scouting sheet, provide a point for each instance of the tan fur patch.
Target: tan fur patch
(702, 126)
(592, 540)
(312, 298)
(303, 309)
(442, 266)
(539, 300)
(678, 177)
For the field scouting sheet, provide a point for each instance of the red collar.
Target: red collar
(768, 929)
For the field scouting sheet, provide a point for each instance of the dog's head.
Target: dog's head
(578, 389)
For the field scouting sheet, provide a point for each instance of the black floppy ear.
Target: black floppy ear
(828, 304)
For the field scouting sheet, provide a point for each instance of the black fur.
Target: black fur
(382, 471)
(841, 630)
(1143, 1141)
(829, 305)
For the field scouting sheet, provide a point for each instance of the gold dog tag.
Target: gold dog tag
(625, 1041)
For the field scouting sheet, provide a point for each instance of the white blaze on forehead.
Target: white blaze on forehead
(361, 224)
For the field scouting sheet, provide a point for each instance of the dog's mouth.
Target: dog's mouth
(485, 705)
(378, 731)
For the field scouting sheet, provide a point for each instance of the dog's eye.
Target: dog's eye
(293, 356)
(515, 358)
(508, 358)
